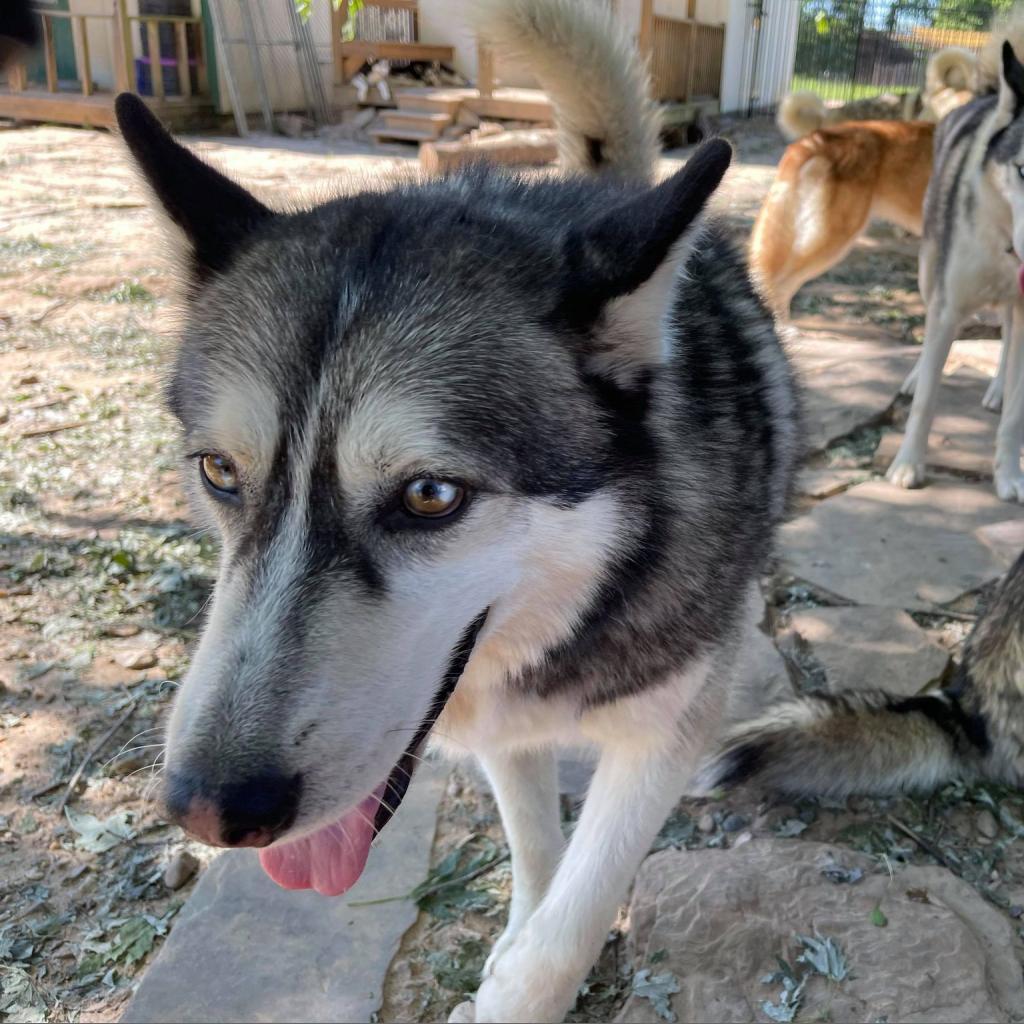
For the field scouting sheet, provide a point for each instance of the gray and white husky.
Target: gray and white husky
(494, 462)
(972, 256)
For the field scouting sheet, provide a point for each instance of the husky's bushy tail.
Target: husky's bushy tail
(1007, 27)
(879, 743)
(951, 68)
(799, 114)
(589, 66)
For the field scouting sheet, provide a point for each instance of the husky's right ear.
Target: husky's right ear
(212, 212)
(621, 267)
(1011, 85)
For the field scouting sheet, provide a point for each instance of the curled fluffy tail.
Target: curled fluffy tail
(588, 65)
(878, 743)
(1008, 27)
(800, 113)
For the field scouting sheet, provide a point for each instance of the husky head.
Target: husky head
(399, 413)
(1007, 146)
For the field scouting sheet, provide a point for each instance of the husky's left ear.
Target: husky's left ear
(212, 212)
(1011, 86)
(622, 266)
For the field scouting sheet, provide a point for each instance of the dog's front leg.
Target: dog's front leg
(525, 784)
(1009, 479)
(539, 974)
(908, 467)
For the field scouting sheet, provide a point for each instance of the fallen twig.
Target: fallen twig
(925, 845)
(439, 887)
(92, 752)
(54, 428)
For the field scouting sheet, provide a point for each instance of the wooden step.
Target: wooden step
(397, 51)
(421, 120)
(513, 105)
(384, 133)
(441, 101)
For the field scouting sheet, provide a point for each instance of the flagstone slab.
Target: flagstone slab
(877, 544)
(870, 648)
(243, 949)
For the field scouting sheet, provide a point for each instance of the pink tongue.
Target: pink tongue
(1020, 279)
(330, 860)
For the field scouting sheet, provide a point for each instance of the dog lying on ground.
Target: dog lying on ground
(972, 256)
(876, 742)
(506, 488)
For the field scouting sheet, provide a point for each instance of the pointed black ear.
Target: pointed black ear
(212, 211)
(1013, 74)
(622, 248)
(622, 266)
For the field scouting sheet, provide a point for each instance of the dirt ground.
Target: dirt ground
(103, 582)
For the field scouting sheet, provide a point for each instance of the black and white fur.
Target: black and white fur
(587, 358)
(971, 257)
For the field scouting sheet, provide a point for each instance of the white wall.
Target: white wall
(777, 54)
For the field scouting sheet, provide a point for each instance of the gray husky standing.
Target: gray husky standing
(494, 462)
(972, 256)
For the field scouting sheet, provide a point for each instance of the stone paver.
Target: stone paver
(847, 384)
(723, 916)
(963, 436)
(244, 949)
(871, 648)
(876, 544)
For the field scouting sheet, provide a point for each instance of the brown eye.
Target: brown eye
(219, 472)
(433, 498)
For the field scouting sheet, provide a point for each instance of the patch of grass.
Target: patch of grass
(838, 89)
(20, 254)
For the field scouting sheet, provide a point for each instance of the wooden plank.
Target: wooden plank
(17, 76)
(49, 56)
(156, 70)
(362, 50)
(512, 105)
(122, 49)
(181, 52)
(202, 82)
(645, 40)
(394, 5)
(37, 105)
(339, 15)
(531, 148)
(484, 70)
(81, 36)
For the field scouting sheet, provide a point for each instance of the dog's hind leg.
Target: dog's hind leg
(525, 784)
(1009, 479)
(630, 796)
(993, 400)
(908, 467)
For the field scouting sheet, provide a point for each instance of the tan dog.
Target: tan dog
(836, 177)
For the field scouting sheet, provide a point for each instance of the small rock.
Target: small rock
(706, 824)
(986, 824)
(734, 822)
(5, 414)
(181, 867)
(26, 379)
(120, 629)
(137, 659)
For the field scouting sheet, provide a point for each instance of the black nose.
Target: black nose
(252, 812)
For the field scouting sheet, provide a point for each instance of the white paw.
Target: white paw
(464, 1013)
(906, 473)
(505, 940)
(527, 983)
(907, 387)
(993, 400)
(1010, 485)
